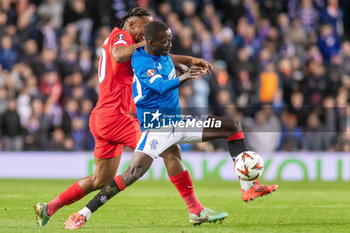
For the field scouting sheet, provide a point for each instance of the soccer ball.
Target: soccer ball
(248, 166)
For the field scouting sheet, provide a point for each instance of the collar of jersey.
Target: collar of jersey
(143, 52)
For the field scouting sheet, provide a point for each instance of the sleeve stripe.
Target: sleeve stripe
(154, 78)
(120, 42)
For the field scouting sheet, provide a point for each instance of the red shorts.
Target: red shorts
(111, 133)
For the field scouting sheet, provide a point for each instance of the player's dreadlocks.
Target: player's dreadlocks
(136, 11)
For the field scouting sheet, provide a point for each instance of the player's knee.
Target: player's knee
(136, 172)
(100, 182)
(172, 154)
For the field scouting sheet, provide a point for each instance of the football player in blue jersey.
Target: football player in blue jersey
(155, 94)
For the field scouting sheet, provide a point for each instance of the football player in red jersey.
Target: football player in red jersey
(111, 124)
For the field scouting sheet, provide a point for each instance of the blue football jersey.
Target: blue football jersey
(155, 90)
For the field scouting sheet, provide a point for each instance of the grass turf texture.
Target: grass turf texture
(155, 206)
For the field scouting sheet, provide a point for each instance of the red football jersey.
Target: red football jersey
(115, 79)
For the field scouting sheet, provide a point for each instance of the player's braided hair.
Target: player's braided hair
(136, 11)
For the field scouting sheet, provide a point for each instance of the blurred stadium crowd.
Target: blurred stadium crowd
(281, 67)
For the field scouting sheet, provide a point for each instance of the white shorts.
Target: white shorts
(154, 141)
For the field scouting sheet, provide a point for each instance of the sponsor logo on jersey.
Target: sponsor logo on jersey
(120, 37)
(150, 72)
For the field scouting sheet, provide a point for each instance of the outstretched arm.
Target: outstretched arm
(191, 61)
(161, 86)
(123, 53)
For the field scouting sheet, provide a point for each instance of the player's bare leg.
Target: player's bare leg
(139, 164)
(181, 179)
(232, 131)
(105, 171)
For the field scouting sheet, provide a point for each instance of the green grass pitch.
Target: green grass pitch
(155, 206)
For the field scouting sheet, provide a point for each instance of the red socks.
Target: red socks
(118, 180)
(69, 196)
(236, 136)
(236, 144)
(184, 185)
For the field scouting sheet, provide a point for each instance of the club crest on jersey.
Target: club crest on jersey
(150, 72)
(120, 37)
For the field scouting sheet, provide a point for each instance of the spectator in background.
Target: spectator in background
(69, 63)
(78, 131)
(286, 75)
(53, 112)
(221, 80)
(23, 106)
(85, 62)
(3, 100)
(71, 109)
(75, 12)
(86, 108)
(164, 9)
(291, 134)
(264, 29)
(201, 92)
(298, 36)
(30, 53)
(332, 15)
(268, 84)
(329, 116)
(298, 108)
(226, 50)
(345, 53)
(313, 137)
(263, 134)
(47, 62)
(33, 140)
(186, 43)
(8, 55)
(57, 140)
(26, 28)
(49, 34)
(344, 141)
(40, 133)
(242, 62)
(283, 24)
(247, 39)
(328, 42)
(188, 11)
(315, 83)
(308, 16)
(341, 108)
(11, 128)
(223, 100)
(265, 58)
(234, 10)
(10, 10)
(51, 86)
(72, 81)
(32, 85)
(3, 21)
(52, 9)
(244, 89)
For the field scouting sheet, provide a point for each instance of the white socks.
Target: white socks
(86, 212)
(246, 185)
